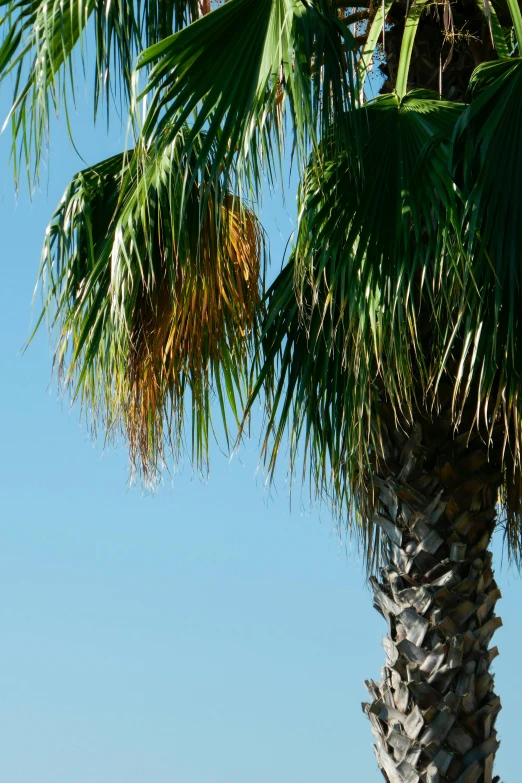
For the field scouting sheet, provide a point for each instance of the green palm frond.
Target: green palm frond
(240, 70)
(373, 32)
(404, 288)
(404, 284)
(487, 158)
(154, 306)
(487, 162)
(43, 41)
(516, 17)
(374, 267)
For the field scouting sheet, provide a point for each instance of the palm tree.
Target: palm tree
(385, 351)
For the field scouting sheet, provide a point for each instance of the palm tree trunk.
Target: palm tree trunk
(433, 712)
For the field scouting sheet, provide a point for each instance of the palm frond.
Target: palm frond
(487, 162)
(43, 41)
(240, 70)
(373, 269)
(374, 30)
(404, 290)
(499, 34)
(411, 25)
(154, 305)
(516, 16)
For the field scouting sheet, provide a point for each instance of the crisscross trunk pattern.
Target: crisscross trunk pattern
(434, 710)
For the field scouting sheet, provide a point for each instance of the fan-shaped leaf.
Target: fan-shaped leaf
(40, 40)
(239, 67)
(487, 160)
(151, 305)
(373, 268)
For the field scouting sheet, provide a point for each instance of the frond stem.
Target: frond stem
(410, 31)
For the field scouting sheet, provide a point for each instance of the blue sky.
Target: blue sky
(208, 633)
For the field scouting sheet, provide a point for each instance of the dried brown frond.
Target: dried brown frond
(196, 315)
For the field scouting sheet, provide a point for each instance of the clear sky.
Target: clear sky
(207, 634)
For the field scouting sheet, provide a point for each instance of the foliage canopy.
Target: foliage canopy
(404, 283)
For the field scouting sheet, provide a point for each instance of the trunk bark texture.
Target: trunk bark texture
(434, 710)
